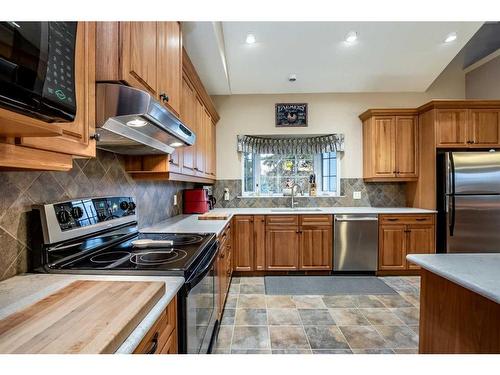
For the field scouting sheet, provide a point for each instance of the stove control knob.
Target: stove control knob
(63, 217)
(124, 205)
(76, 212)
(131, 206)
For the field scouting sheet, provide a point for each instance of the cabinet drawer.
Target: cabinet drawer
(315, 220)
(282, 220)
(407, 219)
(159, 334)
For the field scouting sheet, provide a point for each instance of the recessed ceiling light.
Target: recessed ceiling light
(451, 37)
(351, 37)
(250, 39)
(292, 77)
(137, 123)
(176, 144)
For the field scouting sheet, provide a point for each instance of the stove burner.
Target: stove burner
(178, 239)
(110, 257)
(150, 258)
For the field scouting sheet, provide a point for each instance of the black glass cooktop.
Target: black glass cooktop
(174, 252)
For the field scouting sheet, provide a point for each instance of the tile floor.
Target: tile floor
(256, 323)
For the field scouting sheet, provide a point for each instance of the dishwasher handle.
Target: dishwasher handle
(361, 218)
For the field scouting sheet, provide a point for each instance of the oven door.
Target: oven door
(200, 305)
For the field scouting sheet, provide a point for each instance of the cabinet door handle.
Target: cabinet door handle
(392, 219)
(421, 219)
(154, 344)
(96, 137)
(164, 97)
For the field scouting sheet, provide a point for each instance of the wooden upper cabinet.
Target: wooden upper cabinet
(188, 116)
(484, 125)
(406, 146)
(451, 128)
(139, 55)
(243, 243)
(390, 148)
(170, 64)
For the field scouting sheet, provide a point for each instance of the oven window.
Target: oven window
(200, 309)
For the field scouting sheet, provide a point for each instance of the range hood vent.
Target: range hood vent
(130, 121)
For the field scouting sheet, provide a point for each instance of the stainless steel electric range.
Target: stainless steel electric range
(100, 236)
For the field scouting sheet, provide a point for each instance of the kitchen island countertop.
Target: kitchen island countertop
(24, 290)
(478, 273)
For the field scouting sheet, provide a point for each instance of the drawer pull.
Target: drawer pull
(392, 219)
(421, 219)
(154, 344)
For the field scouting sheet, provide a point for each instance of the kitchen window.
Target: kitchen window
(267, 174)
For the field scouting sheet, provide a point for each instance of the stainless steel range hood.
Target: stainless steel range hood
(130, 121)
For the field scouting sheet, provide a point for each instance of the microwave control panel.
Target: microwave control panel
(59, 84)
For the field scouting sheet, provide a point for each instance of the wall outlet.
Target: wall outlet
(175, 199)
(356, 195)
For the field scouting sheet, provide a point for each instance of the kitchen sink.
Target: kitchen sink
(296, 209)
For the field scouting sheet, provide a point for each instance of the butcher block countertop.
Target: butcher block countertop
(49, 313)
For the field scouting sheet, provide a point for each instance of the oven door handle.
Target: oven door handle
(202, 270)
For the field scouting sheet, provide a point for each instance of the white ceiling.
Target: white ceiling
(388, 56)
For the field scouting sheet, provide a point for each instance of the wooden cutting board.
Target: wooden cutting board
(83, 317)
(214, 216)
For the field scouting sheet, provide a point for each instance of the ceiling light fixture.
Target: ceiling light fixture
(351, 37)
(451, 37)
(175, 144)
(137, 123)
(250, 39)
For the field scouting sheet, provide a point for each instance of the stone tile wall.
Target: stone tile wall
(103, 175)
(372, 194)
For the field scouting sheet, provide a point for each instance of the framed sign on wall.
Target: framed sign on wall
(290, 115)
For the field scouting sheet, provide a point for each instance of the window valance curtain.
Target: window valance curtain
(291, 145)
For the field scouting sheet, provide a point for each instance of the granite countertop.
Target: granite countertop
(23, 290)
(476, 272)
(191, 224)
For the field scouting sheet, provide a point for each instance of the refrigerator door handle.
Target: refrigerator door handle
(451, 197)
(451, 210)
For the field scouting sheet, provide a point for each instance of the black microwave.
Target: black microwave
(37, 69)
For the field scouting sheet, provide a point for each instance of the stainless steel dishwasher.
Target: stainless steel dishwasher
(355, 245)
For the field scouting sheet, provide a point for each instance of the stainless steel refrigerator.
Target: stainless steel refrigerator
(470, 210)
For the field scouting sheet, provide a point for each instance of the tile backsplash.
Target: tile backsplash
(103, 175)
(372, 194)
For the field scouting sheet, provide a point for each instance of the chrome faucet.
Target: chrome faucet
(293, 193)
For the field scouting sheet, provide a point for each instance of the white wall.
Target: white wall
(328, 113)
(484, 81)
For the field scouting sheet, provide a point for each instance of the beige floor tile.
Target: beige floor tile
(231, 302)
(332, 351)
(381, 317)
(399, 337)
(291, 351)
(394, 300)
(224, 337)
(251, 301)
(411, 298)
(316, 317)
(339, 301)
(373, 351)
(366, 301)
(363, 337)
(409, 315)
(279, 302)
(283, 317)
(252, 280)
(250, 317)
(406, 351)
(349, 317)
(250, 338)
(251, 351)
(309, 302)
(252, 289)
(325, 337)
(288, 337)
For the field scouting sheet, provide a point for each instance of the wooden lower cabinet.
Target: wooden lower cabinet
(243, 243)
(402, 235)
(224, 268)
(316, 249)
(162, 337)
(282, 248)
(282, 243)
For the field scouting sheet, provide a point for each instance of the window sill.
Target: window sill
(289, 196)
